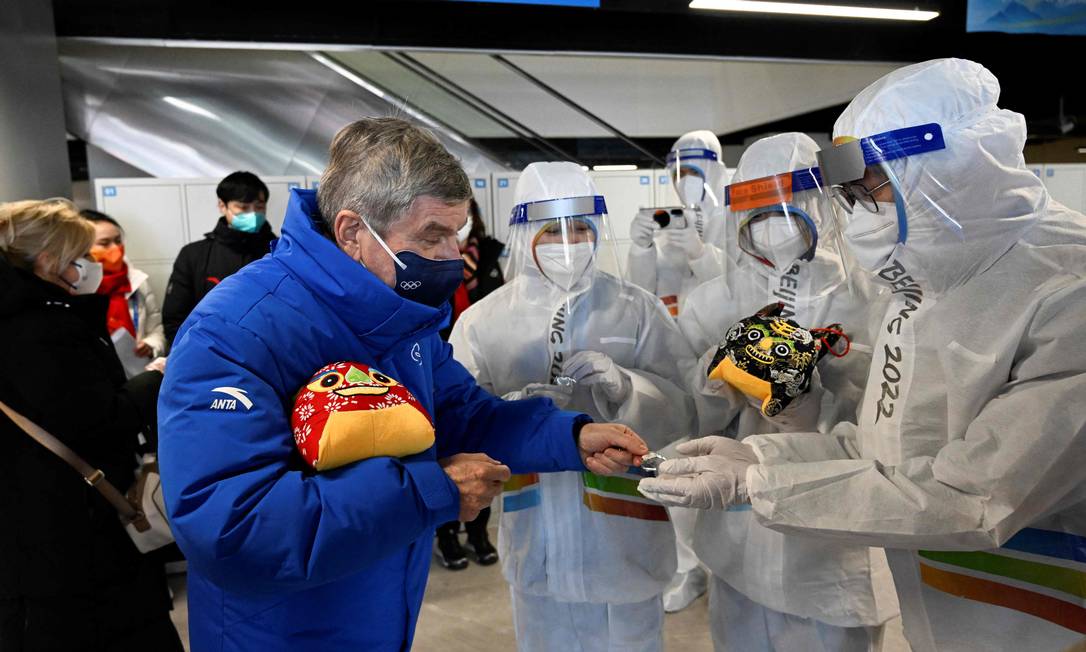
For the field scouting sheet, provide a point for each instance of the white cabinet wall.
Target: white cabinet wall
(625, 193)
(1066, 182)
(160, 216)
(480, 189)
(502, 188)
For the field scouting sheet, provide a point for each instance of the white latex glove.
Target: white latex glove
(686, 240)
(642, 230)
(560, 395)
(714, 477)
(158, 364)
(595, 368)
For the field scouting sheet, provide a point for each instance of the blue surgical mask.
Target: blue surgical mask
(420, 279)
(247, 222)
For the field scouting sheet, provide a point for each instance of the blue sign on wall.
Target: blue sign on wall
(503, 183)
(1027, 16)
(646, 181)
(109, 191)
(594, 4)
(480, 183)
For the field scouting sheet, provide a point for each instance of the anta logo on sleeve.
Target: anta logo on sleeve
(235, 396)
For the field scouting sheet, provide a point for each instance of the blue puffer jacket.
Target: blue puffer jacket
(284, 559)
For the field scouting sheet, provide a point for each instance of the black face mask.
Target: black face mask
(423, 280)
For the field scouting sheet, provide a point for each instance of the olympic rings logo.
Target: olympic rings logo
(411, 285)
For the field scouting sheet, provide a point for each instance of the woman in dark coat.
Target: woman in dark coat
(70, 577)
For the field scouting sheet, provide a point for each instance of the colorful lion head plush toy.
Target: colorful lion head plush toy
(350, 411)
(771, 359)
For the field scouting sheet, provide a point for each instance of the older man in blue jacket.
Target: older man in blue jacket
(281, 558)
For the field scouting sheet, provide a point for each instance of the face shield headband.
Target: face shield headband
(845, 163)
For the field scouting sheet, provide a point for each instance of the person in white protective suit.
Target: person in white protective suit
(772, 591)
(669, 262)
(587, 558)
(968, 463)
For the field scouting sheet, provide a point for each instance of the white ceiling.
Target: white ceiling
(646, 97)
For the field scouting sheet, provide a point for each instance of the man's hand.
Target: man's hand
(610, 448)
(479, 479)
(714, 477)
(144, 350)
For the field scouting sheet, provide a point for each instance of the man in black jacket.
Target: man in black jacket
(241, 236)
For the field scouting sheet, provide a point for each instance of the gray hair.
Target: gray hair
(377, 168)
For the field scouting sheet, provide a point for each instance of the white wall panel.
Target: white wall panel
(1067, 184)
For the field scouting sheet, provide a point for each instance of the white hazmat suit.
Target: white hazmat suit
(968, 462)
(669, 262)
(773, 591)
(587, 557)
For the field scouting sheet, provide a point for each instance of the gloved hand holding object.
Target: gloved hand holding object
(714, 477)
(685, 239)
(560, 394)
(593, 368)
(643, 229)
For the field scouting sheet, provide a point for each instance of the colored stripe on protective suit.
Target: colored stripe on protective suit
(618, 496)
(520, 492)
(1038, 572)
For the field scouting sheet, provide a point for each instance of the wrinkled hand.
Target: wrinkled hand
(714, 477)
(144, 350)
(595, 368)
(610, 448)
(642, 230)
(479, 479)
(686, 240)
(557, 393)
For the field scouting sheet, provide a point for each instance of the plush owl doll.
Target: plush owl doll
(350, 411)
(771, 359)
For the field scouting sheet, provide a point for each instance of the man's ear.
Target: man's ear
(345, 229)
(222, 207)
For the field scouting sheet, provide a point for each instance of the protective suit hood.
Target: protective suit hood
(785, 153)
(983, 199)
(686, 148)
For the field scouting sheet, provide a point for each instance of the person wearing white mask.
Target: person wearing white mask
(968, 462)
(772, 591)
(671, 261)
(586, 557)
(70, 578)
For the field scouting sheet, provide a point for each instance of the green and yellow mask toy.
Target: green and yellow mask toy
(771, 359)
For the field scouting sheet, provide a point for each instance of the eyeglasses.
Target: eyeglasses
(848, 195)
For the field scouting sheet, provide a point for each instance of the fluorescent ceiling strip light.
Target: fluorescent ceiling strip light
(190, 107)
(801, 9)
(613, 168)
(1082, 150)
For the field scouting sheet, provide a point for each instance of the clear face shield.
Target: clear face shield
(558, 250)
(783, 218)
(688, 169)
(884, 195)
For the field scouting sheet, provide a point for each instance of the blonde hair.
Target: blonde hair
(52, 226)
(378, 166)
